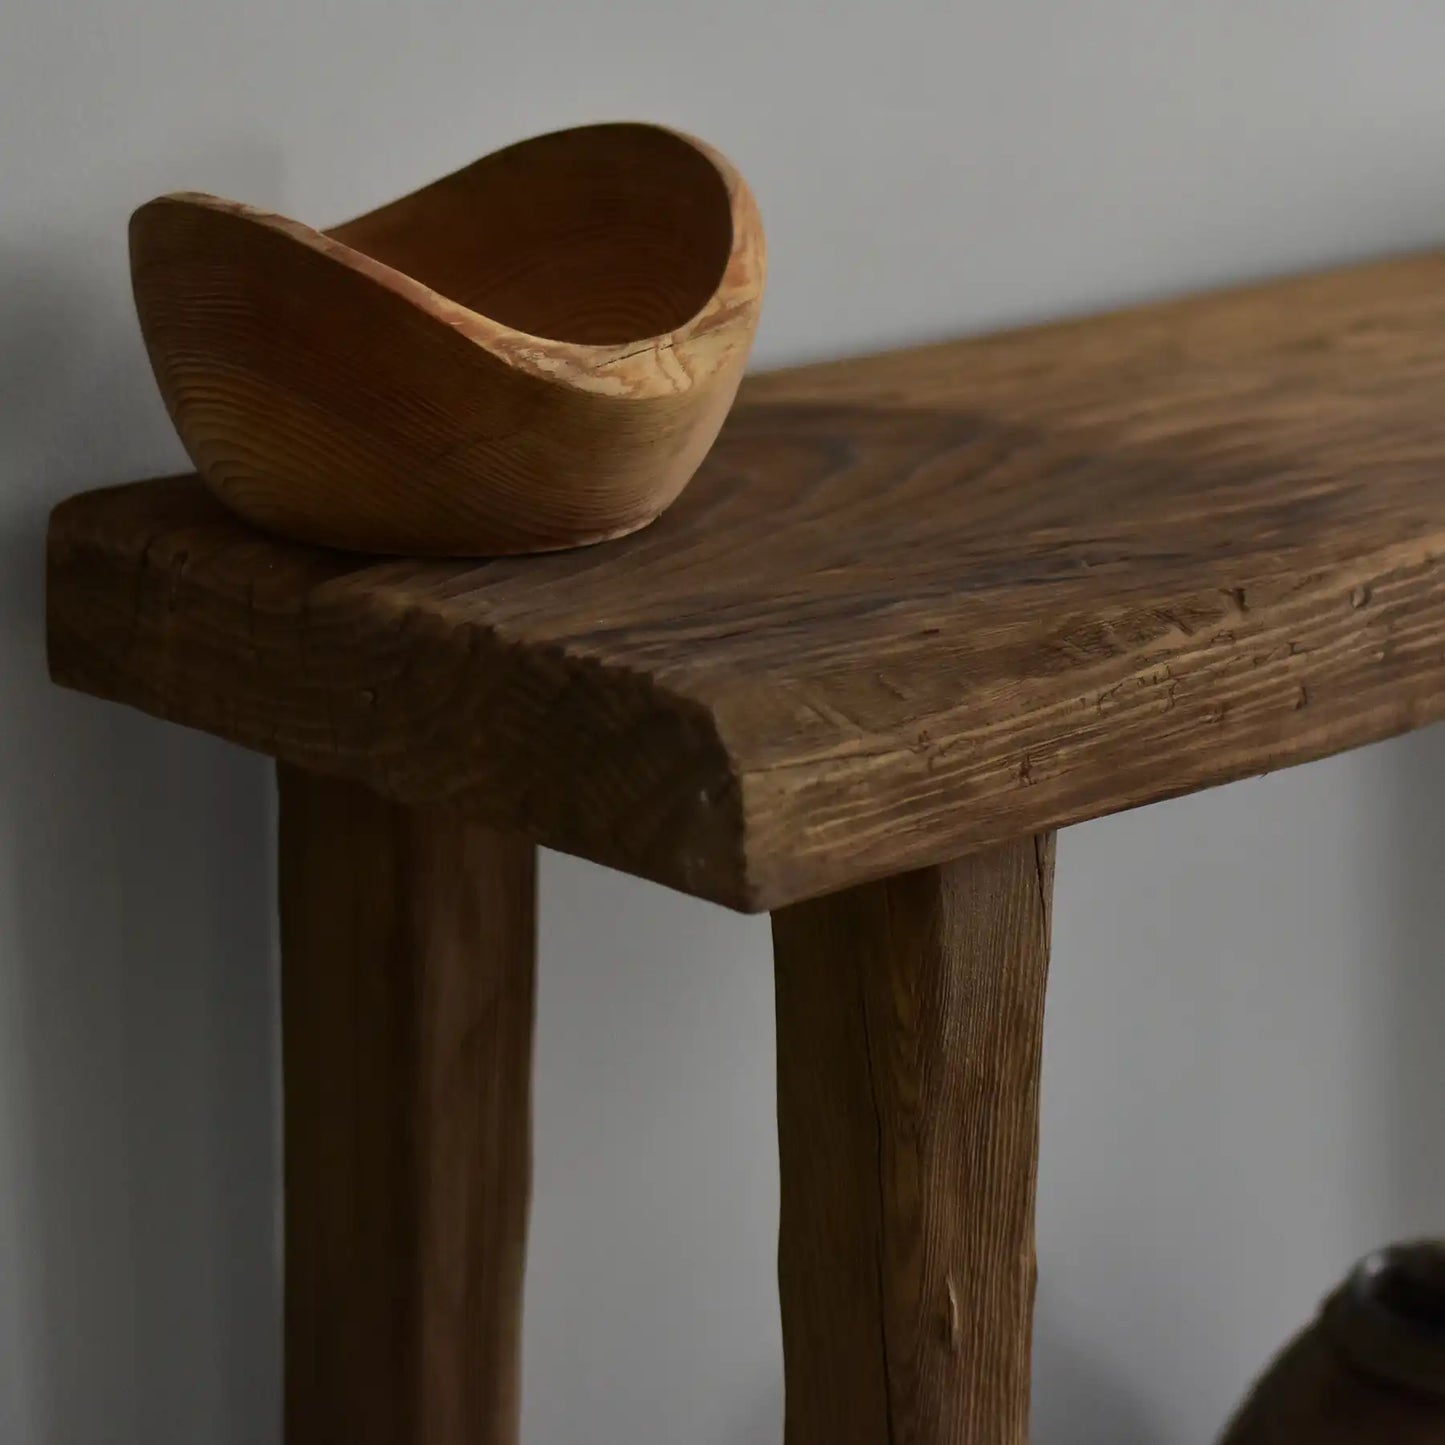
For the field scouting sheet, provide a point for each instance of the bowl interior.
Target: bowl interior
(598, 236)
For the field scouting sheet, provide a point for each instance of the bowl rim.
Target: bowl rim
(636, 369)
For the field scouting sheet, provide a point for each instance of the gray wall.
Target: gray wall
(1243, 1071)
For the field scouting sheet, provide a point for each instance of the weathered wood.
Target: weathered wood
(910, 1019)
(407, 978)
(911, 606)
(531, 353)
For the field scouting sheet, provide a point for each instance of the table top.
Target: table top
(913, 603)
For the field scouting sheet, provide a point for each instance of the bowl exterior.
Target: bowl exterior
(332, 401)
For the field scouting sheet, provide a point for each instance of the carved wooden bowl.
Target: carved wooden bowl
(535, 352)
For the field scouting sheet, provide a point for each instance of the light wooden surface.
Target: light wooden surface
(910, 1029)
(408, 941)
(531, 353)
(912, 605)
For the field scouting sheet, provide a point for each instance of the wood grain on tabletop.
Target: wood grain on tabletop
(913, 604)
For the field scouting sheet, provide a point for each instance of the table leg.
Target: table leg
(408, 945)
(910, 1016)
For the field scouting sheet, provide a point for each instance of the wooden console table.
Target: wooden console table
(917, 611)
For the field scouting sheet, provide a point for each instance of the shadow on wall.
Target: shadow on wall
(138, 1274)
(1074, 1401)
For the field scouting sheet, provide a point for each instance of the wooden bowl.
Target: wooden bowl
(535, 352)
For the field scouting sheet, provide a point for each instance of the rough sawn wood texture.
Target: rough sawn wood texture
(910, 1034)
(913, 604)
(408, 941)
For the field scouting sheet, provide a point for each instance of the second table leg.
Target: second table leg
(910, 1017)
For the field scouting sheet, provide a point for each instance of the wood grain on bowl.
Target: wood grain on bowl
(533, 353)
